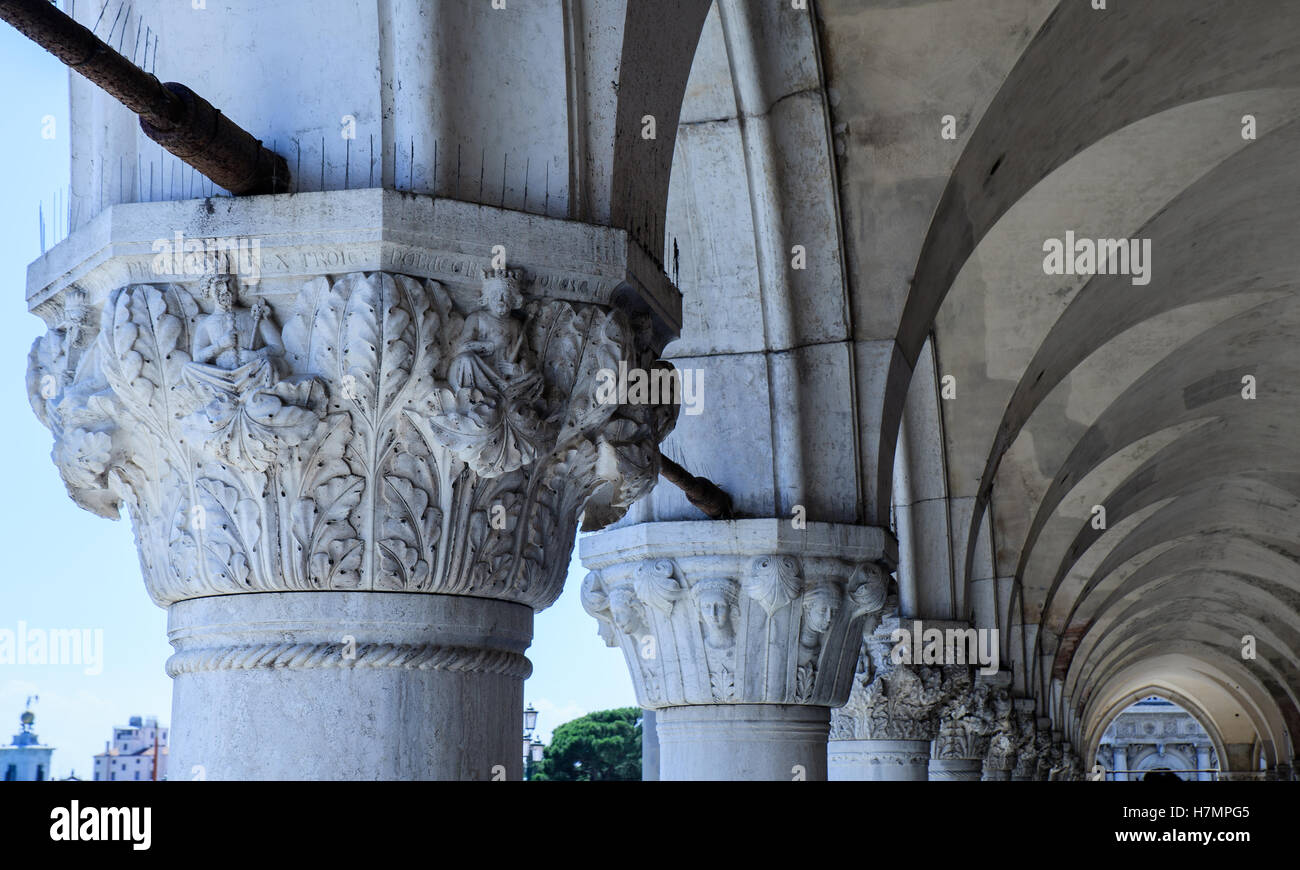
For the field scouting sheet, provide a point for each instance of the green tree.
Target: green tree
(604, 746)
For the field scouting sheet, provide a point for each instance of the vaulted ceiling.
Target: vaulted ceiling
(1068, 396)
(1076, 395)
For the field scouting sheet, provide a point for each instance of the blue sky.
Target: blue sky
(67, 569)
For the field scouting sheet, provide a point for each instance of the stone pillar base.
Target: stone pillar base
(956, 769)
(347, 686)
(879, 760)
(743, 742)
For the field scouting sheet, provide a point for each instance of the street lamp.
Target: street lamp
(532, 747)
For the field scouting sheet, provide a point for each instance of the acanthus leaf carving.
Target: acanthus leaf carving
(321, 457)
(894, 700)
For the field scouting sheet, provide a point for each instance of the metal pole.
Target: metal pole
(171, 114)
(700, 491)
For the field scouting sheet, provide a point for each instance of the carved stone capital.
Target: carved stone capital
(1000, 752)
(739, 612)
(970, 718)
(363, 431)
(896, 700)
(1029, 743)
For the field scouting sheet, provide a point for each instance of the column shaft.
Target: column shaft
(347, 686)
(880, 760)
(770, 742)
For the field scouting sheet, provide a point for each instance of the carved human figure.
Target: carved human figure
(1002, 740)
(489, 356)
(72, 329)
(715, 597)
(1043, 749)
(240, 408)
(820, 604)
(596, 603)
(55, 355)
(1056, 765)
(231, 337)
(625, 610)
(1026, 746)
(1068, 769)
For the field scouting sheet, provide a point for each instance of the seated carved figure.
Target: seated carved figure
(488, 355)
(241, 405)
(486, 415)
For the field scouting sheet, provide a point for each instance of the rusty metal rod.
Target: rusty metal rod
(170, 114)
(700, 491)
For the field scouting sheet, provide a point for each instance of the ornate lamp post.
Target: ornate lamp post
(532, 747)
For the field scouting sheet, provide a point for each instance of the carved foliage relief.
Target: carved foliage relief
(899, 701)
(373, 435)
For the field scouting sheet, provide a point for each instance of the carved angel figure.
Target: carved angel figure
(241, 407)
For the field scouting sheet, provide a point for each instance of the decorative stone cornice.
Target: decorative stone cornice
(737, 612)
(895, 701)
(373, 230)
(358, 431)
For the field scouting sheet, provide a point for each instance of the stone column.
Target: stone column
(1121, 763)
(885, 729)
(649, 746)
(967, 721)
(741, 635)
(1203, 773)
(354, 450)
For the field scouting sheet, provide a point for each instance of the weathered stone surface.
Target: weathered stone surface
(741, 635)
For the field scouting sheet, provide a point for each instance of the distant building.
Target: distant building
(130, 754)
(1157, 738)
(25, 759)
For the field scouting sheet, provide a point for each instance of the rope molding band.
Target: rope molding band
(302, 656)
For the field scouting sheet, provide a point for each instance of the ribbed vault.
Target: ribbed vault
(1113, 480)
(1134, 446)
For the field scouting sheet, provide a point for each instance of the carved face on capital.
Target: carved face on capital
(223, 292)
(820, 605)
(625, 609)
(74, 311)
(500, 296)
(715, 598)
